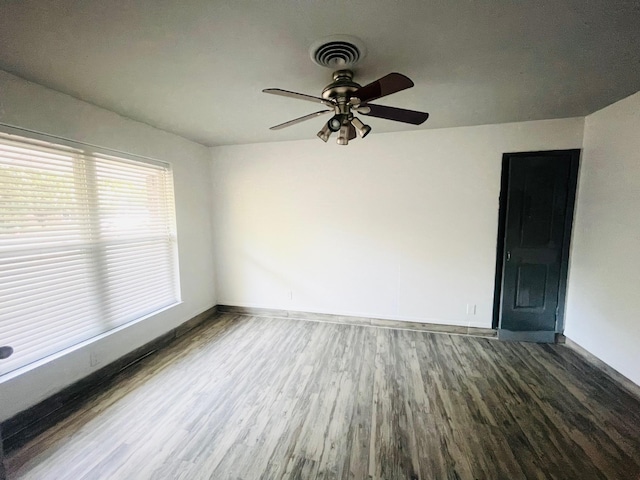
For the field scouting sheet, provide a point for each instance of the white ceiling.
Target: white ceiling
(197, 67)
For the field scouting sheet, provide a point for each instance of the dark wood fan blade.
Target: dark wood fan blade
(300, 119)
(397, 114)
(299, 96)
(392, 83)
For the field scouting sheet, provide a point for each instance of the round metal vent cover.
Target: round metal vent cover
(337, 51)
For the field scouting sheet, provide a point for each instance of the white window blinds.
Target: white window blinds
(87, 244)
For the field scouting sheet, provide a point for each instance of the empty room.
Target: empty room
(390, 240)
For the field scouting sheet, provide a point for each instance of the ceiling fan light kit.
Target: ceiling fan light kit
(324, 133)
(344, 97)
(362, 129)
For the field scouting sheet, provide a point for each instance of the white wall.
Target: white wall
(603, 302)
(31, 106)
(398, 225)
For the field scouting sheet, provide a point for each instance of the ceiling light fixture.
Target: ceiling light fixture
(362, 129)
(325, 133)
(335, 122)
(343, 136)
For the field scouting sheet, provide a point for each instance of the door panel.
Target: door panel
(534, 244)
(530, 288)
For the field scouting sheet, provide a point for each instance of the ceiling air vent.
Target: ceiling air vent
(337, 51)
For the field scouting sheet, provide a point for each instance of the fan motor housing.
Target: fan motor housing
(342, 85)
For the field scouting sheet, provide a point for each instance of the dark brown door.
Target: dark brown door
(539, 211)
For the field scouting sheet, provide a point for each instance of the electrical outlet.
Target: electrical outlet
(93, 359)
(471, 308)
(290, 294)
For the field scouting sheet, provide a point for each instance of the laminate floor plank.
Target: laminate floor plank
(248, 398)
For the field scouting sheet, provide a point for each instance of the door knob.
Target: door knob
(5, 352)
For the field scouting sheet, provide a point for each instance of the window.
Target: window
(87, 244)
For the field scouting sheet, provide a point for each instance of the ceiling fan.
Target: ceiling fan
(344, 98)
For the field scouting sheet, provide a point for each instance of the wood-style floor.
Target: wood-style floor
(258, 398)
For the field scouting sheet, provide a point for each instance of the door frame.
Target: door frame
(507, 158)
